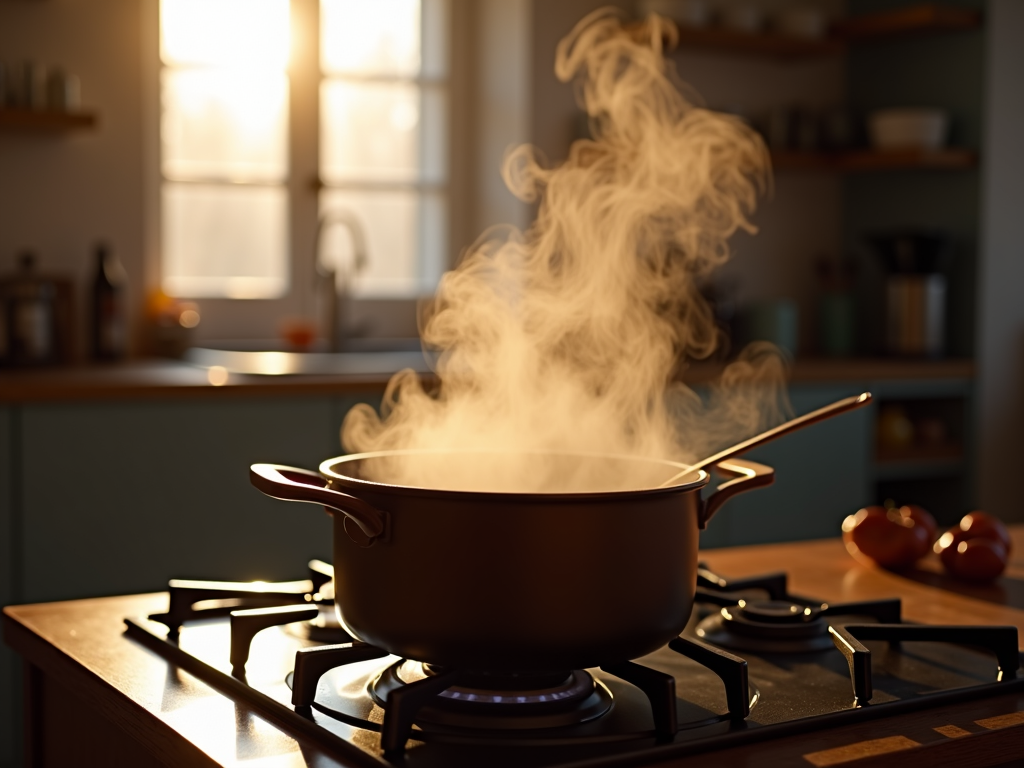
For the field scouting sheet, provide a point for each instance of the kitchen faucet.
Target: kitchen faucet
(327, 275)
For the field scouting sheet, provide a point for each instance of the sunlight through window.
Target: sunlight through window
(227, 200)
(224, 147)
(383, 137)
(248, 34)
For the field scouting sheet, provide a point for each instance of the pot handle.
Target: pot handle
(749, 475)
(293, 484)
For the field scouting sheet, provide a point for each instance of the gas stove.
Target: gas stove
(755, 663)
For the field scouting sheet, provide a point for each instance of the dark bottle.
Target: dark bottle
(109, 321)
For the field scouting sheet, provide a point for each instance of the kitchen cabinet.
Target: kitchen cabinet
(832, 469)
(121, 497)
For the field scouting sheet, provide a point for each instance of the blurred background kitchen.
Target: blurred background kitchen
(190, 179)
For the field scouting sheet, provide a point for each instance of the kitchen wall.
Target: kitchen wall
(60, 194)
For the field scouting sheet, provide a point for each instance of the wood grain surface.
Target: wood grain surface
(824, 569)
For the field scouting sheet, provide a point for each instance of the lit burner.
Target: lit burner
(501, 701)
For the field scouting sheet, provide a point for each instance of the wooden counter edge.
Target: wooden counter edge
(149, 731)
(144, 379)
(13, 395)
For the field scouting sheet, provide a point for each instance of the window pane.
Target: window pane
(406, 240)
(370, 38)
(230, 33)
(226, 241)
(382, 132)
(224, 125)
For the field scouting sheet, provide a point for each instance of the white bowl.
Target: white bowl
(908, 128)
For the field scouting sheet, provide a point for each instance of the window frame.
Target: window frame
(261, 319)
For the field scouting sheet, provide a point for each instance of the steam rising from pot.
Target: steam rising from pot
(566, 338)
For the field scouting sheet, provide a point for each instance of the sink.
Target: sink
(382, 356)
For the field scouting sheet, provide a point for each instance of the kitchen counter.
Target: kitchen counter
(159, 379)
(163, 379)
(92, 691)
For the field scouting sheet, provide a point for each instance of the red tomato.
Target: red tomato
(979, 560)
(980, 525)
(922, 517)
(884, 537)
(946, 546)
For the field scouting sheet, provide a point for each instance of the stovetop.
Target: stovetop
(822, 666)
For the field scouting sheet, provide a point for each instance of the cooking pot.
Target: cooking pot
(513, 582)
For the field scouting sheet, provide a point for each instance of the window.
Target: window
(244, 84)
(224, 147)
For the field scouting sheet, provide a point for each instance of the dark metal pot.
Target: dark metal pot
(512, 582)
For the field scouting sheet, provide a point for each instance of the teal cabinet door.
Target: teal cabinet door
(118, 498)
(822, 474)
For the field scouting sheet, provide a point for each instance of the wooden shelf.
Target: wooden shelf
(867, 371)
(757, 44)
(43, 121)
(927, 18)
(903, 22)
(919, 461)
(875, 160)
(945, 451)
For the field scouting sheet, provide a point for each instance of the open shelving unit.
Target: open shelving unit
(913, 21)
(930, 471)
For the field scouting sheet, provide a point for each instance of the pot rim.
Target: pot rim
(328, 471)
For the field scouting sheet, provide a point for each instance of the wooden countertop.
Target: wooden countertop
(82, 645)
(161, 379)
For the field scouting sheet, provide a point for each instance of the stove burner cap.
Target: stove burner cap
(767, 626)
(776, 612)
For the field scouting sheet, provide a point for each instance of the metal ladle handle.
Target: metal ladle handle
(836, 408)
